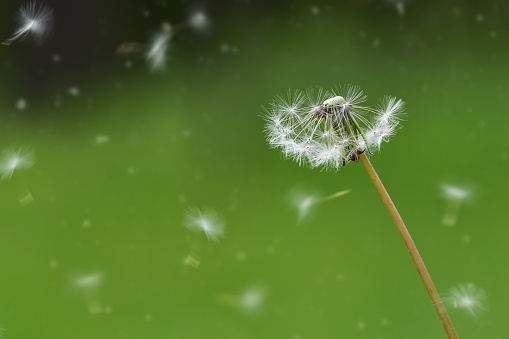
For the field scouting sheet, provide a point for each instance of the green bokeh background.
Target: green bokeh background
(193, 136)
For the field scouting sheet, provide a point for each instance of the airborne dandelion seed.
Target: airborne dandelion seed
(35, 19)
(455, 197)
(206, 221)
(12, 159)
(468, 297)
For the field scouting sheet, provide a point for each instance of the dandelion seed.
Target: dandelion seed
(90, 285)
(329, 129)
(13, 159)
(33, 19)
(305, 202)
(455, 197)
(250, 300)
(157, 51)
(207, 221)
(468, 297)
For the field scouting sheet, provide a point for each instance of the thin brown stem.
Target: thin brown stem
(421, 268)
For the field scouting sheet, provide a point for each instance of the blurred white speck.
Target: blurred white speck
(384, 322)
(21, 104)
(56, 58)
(131, 171)
(270, 250)
(148, 317)
(53, 264)
(465, 238)
(315, 10)
(252, 298)
(128, 64)
(198, 20)
(181, 198)
(73, 91)
(86, 223)
(241, 256)
(102, 139)
(376, 43)
(107, 310)
(361, 325)
(186, 133)
(224, 48)
(145, 13)
(479, 18)
(400, 8)
(493, 34)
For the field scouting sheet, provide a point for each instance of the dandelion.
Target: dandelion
(90, 285)
(468, 297)
(206, 221)
(34, 19)
(455, 197)
(329, 129)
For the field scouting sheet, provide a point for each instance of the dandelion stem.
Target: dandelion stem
(412, 249)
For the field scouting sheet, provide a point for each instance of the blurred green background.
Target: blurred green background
(119, 164)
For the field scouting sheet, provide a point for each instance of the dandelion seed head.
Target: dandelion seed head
(329, 128)
(12, 159)
(468, 297)
(207, 221)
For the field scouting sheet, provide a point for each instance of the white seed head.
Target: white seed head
(329, 128)
(468, 297)
(12, 159)
(207, 221)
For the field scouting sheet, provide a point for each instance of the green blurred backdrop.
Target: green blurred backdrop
(119, 164)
